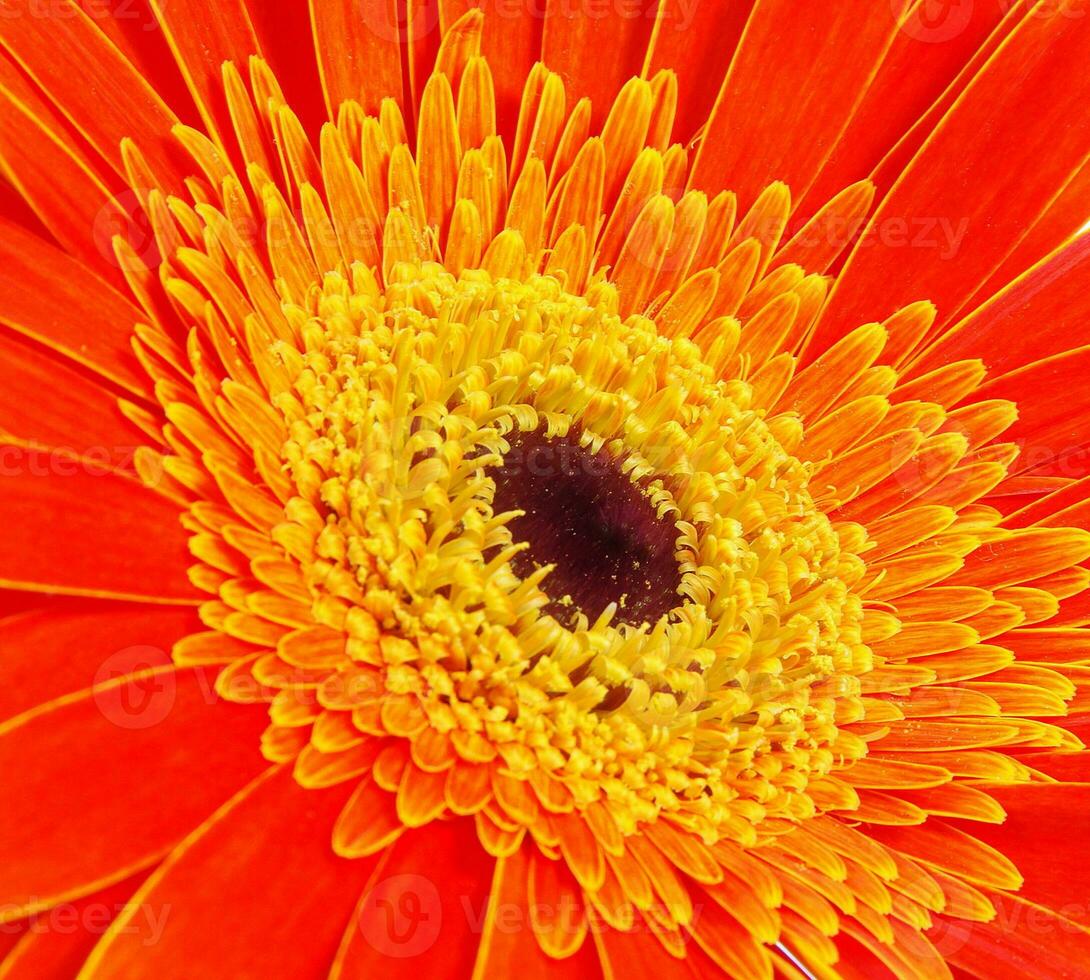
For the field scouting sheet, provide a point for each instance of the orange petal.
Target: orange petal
(1035, 317)
(460, 44)
(59, 302)
(368, 821)
(557, 906)
(761, 129)
(262, 864)
(103, 96)
(667, 883)
(77, 531)
(201, 40)
(58, 651)
(944, 229)
(422, 913)
(942, 845)
(508, 939)
(730, 944)
(102, 783)
(1029, 553)
(685, 851)
(59, 940)
(819, 242)
(511, 45)
(926, 55)
(595, 55)
(580, 849)
(358, 52)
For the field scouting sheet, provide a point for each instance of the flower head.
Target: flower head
(556, 526)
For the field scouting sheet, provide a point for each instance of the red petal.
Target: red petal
(422, 913)
(797, 76)
(697, 42)
(933, 46)
(102, 783)
(10, 935)
(256, 891)
(58, 940)
(73, 529)
(79, 416)
(57, 651)
(955, 214)
(1050, 509)
(1056, 226)
(1066, 766)
(61, 303)
(898, 157)
(202, 37)
(359, 56)
(134, 30)
(639, 955)
(864, 957)
(1023, 942)
(511, 45)
(1036, 316)
(1051, 409)
(14, 208)
(103, 96)
(63, 186)
(504, 943)
(422, 41)
(1045, 836)
(595, 54)
(284, 29)
(13, 603)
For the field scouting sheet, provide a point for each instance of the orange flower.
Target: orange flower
(595, 491)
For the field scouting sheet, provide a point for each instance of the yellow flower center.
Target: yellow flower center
(411, 410)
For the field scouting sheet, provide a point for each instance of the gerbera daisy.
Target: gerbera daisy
(593, 491)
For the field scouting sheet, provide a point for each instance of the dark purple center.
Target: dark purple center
(586, 517)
